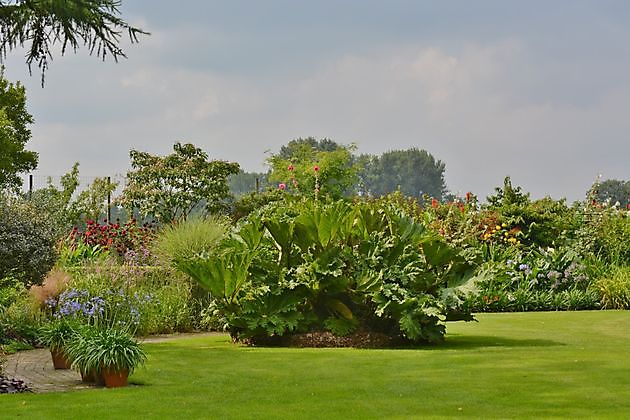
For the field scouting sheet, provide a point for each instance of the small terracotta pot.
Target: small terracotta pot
(59, 359)
(114, 377)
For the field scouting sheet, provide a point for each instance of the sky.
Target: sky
(537, 90)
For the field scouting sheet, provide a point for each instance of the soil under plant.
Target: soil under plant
(320, 339)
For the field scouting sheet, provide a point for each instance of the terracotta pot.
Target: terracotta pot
(92, 376)
(59, 359)
(115, 377)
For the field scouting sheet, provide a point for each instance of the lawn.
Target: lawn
(557, 364)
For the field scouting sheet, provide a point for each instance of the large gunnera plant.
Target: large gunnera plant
(300, 266)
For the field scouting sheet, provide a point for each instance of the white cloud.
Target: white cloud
(487, 109)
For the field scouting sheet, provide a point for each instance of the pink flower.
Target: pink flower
(282, 186)
(316, 168)
(290, 168)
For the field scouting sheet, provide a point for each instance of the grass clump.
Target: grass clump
(189, 239)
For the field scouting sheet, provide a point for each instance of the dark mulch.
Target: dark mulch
(362, 339)
(12, 386)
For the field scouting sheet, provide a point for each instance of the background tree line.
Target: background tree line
(414, 172)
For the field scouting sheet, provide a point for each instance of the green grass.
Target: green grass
(559, 364)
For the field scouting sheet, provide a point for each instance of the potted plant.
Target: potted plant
(78, 351)
(112, 353)
(56, 336)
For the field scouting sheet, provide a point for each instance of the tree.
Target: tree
(613, 191)
(414, 172)
(40, 24)
(168, 188)
(246, 182)
(306, 166)
(296, 146)
(14, 134)
(91, 203)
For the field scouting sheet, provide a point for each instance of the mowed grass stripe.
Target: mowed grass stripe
(516, 365)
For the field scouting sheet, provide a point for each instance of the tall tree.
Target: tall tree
(40, 24)
(246, 182)
(310, 144)
(613, 191)
(306, 166)
(14, 134)
(414, 172)
(169, 187)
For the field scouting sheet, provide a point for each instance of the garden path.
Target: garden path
(35, 368)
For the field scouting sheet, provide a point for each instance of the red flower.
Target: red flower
(468, 196)
(282, 186)
(434, 203)
(316, 168)
(290, 168)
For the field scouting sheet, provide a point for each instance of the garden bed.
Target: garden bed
(321, 339)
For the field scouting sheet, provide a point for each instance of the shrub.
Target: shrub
(612, 237)
(27, 242)
(10, 290)
(305, 265)
(19, 322)
(615, 288)
(248, 203)
(130, 238)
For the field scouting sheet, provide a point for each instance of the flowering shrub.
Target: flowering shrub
(130, 240)
(546, 279)
(112, 308)
(308, 171)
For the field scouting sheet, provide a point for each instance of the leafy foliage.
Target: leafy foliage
(41, 24)
(127, 240)
(14, 134)
(613, 191)
(306, 167)
(94, 349)
(615, 288)
(414, 172)
(304, 266)
(169, 188)
(27, 241)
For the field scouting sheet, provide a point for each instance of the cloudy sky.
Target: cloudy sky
(538, 90)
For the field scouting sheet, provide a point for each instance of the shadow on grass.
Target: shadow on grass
(452, 342)
(479, 341)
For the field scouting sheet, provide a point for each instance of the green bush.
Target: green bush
(11, 289)
(612, 237)
(615, 288)
(306, 265)
(19, 322)
(27, 242)
(248, 203)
